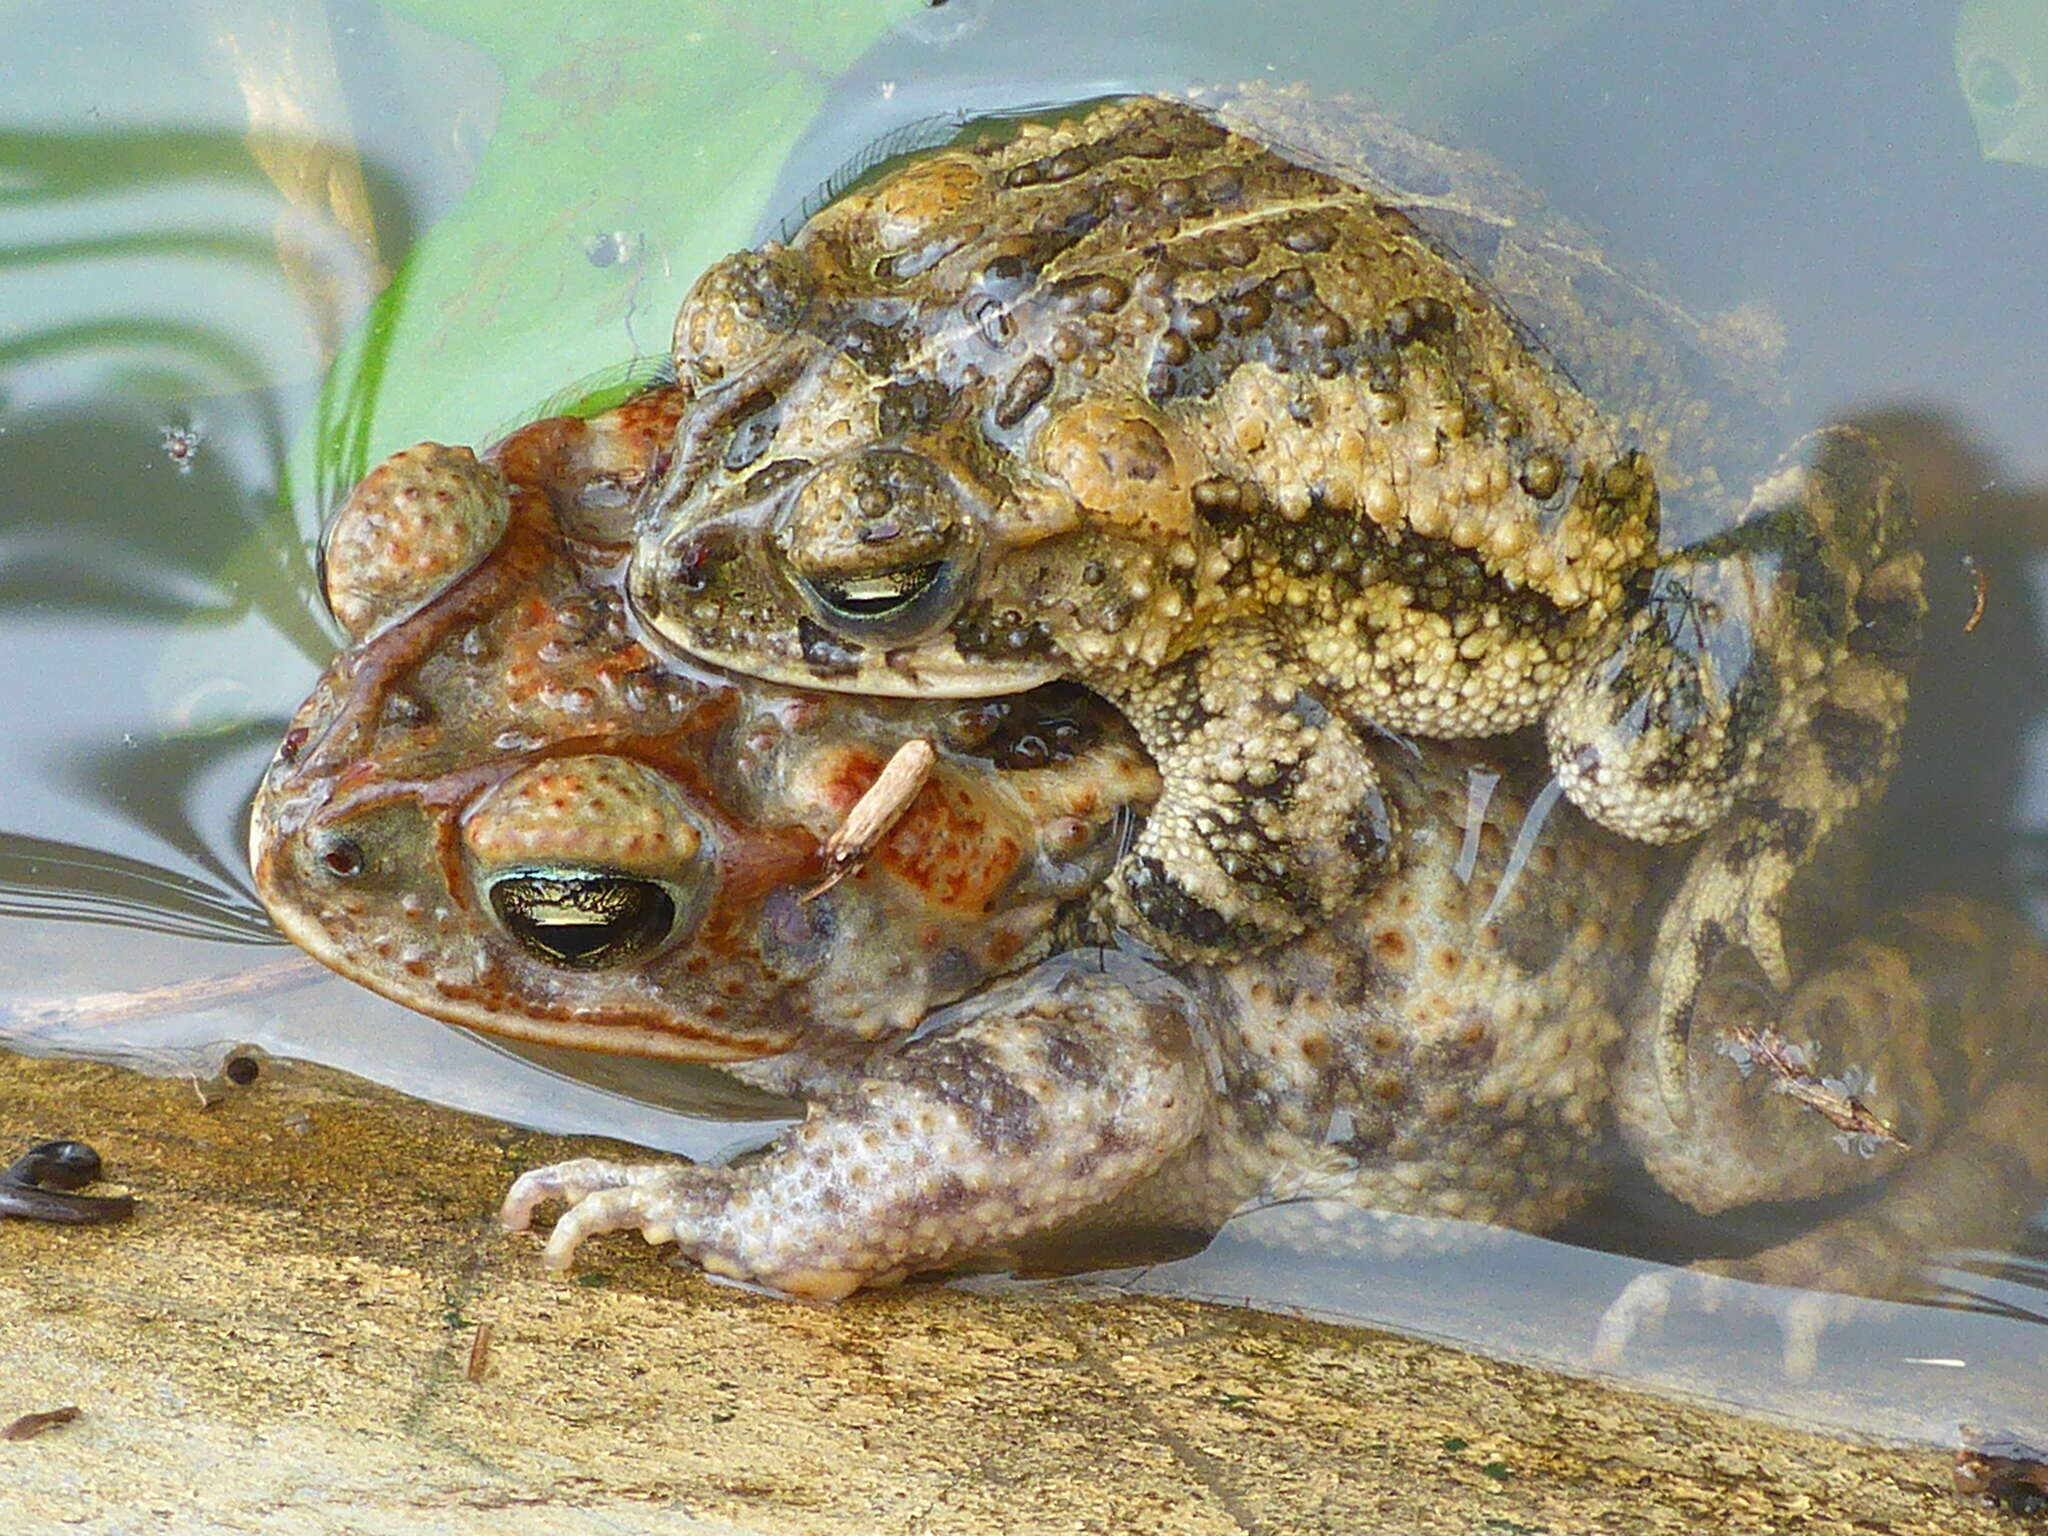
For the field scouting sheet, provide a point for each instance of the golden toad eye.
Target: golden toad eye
(879, 546)
(862, 598)
(887, 607)
(582, 919)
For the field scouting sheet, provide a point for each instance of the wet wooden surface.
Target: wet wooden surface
(285, 1339)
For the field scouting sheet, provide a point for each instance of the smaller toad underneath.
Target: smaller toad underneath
(1468, 1043)
(498, 808)
(1223, 434)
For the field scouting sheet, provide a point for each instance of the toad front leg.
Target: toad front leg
(1271, 817)
(1755, 700)
(1009, 1116)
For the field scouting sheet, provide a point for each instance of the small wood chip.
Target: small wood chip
(876, 812)
(1983, 589)
(29, 1425)
(479, 1353)
(1833, 1099)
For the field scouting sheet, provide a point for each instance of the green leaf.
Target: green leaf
(630, 153)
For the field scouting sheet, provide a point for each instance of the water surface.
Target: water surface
(199, 205)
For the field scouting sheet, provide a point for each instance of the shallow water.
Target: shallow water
(167, 274)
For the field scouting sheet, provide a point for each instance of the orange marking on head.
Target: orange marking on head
(852, 774)
(946, 847)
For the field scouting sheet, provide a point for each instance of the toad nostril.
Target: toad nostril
(340, 856)
(694, 562)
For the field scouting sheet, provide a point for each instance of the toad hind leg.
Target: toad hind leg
(1008, 1117)
(1755, 700)
(1271, 816)
(1938, 1018)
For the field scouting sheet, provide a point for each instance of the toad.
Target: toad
(1290, 436)
(498, 807)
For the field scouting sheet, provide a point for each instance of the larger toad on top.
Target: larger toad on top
(1136, 400)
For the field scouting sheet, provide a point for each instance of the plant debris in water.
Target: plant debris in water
(875, 812)
(2002, 1469)
(1835, 1099)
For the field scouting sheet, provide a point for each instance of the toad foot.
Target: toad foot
(1004, 1119)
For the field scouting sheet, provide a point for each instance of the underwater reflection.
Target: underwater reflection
(62, 882)
(1886, 1369)
(164, 263)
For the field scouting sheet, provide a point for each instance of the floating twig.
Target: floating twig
(875, 812)
(98, 1010)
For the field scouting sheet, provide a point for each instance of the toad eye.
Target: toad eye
(859, 599)
(879, 546)
(582, 919)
